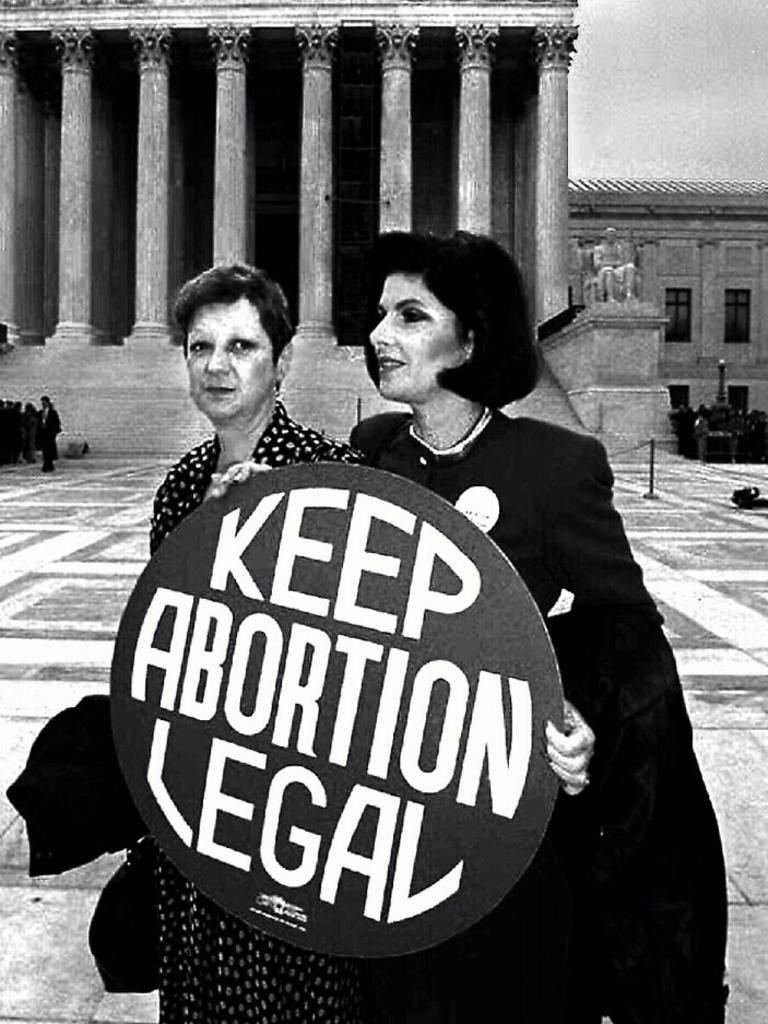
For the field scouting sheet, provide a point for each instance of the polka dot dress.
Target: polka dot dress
(283, 443)
(214, 969)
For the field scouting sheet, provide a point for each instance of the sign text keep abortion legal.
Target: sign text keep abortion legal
(329, 691)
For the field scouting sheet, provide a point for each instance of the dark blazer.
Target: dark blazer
(557, 523)
(48, 428)
(641, 846)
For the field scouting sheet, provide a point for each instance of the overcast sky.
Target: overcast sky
(670, 89)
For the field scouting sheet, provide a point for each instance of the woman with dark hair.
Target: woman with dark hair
(237, 333)
(623, 909)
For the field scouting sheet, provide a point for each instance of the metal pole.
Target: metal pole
(359, 408)
(652, 472)
(721, 396)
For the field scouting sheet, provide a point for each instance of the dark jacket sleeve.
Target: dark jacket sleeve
(585, 543)
(372, 435)
(643, 841)
(71, 793)
(655, 874)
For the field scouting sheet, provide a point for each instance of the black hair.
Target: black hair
(478, 280)
(226, 284)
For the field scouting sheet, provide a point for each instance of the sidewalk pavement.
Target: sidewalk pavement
(71, 546)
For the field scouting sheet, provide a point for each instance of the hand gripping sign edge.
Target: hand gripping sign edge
(329, 692)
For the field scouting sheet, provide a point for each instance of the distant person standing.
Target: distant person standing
(48, 429)
(701, 432)
(683, 420)
(4, 434)
(14, 421)
(29, 432)
(755, 431)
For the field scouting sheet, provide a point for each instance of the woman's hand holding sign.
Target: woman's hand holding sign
(237, 473)
(570, 752)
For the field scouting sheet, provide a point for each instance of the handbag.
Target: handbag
(124, 932)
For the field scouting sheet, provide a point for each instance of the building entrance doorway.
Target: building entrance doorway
(357, 179)
(277, 247)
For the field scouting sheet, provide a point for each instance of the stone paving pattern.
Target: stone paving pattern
(72, 544)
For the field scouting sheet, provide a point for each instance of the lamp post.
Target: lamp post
(721, 400)
(722, 415)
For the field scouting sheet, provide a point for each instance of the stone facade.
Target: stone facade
(141, 141)
(607, 363)
(701, 254)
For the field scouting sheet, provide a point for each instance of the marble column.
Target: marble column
(316, 43)
(711, 319)
(51, 182)
(75, 45)
(524, 198)
(152, 47)
(475, 43)
(30, 217)
(761, 336)
(396, 46)
(230, 46)
(8, 135)
(554, 45)
(176, 206)
(649, 274)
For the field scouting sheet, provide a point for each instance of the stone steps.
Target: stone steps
(133, 398)
(548, 402)
(121, 399)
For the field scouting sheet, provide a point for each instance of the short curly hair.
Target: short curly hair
(478, 280)
(226, 284)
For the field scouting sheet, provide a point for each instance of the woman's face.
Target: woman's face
(416, 337)
(232, 375)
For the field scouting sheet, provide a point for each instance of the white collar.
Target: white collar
(460, 447)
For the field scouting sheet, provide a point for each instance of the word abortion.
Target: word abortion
(426, 726)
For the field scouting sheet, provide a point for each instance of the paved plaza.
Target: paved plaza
(71, 546)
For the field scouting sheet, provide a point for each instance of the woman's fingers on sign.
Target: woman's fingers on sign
(570, 751)
(238, 473)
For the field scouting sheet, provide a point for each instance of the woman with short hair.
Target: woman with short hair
(638, 859)
(237, 342)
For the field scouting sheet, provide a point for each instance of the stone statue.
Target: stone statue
(613, 270)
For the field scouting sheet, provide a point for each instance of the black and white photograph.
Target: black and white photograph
(383, 512)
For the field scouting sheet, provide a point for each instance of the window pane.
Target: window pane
(738, 397)
(679, 395)
(678, 311)
(737, 315)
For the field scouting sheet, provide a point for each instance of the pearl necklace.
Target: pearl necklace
(460, 446)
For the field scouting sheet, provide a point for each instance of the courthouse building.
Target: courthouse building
(701, 250)
(142, 140)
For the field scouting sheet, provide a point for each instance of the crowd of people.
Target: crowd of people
(26, 430)
(18, 432)
(741, 433)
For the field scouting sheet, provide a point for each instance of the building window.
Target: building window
(737, 315)
(738, 397)
(679, 395)
(678, 310)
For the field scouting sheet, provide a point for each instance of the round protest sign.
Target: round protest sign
(329, 692)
